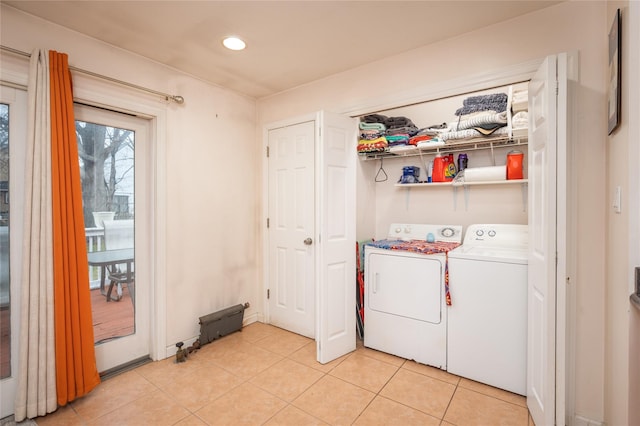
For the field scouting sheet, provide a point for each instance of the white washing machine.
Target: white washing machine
(488, 313)
(405, 309)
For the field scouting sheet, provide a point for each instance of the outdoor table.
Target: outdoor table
(108, 258)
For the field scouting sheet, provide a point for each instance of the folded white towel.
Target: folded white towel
(520, 101)
(520, 120)
(430, 144)
(402, 149)
(471, 133)
(479, 120)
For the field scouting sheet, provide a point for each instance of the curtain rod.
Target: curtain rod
(175, 98)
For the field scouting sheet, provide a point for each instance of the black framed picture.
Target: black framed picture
(614, 73)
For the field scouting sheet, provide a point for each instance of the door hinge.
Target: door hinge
(267, 151)
(267, 222)
(268, 293)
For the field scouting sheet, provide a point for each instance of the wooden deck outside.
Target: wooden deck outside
(5, 343)
(112, 319)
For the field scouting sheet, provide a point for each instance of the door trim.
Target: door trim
(567, 184)
(17, 100)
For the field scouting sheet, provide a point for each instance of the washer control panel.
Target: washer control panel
(496, 235)
(427, 232)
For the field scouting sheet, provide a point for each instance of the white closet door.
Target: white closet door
(291, 216)
(336, 320)
(542, 244)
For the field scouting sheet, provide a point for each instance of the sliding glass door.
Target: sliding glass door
(13, 134)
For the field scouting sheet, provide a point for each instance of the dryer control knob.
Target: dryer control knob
(447, 232)
(479, 232)
(492, 233)
(398, 230)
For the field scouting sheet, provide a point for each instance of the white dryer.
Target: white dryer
(488, 313)
(405, 308)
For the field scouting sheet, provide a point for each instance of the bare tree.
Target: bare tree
(97, 146)
(4, 141)
(4, 163)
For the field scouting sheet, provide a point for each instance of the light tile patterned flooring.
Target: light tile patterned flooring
(266, 375)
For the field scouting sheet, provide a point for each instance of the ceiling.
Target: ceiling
(289, 43)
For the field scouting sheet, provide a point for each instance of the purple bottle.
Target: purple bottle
(462, 162)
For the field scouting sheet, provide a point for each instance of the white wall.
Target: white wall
(622, 383)
(567, 26)
(631, 51)
(210, 191)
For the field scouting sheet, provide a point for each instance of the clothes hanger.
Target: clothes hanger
(383, 177)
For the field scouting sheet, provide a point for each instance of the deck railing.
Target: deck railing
(95, 242)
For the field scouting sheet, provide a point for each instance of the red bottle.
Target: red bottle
(514, 165)
(439, 165)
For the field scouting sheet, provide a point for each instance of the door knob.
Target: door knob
(308, 241)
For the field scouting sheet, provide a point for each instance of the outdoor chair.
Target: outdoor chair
(119, 234)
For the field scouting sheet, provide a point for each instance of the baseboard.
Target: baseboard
(250, 319)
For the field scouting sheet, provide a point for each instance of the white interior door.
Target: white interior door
(336, 289)
(542, 244)
(135, 344)
(291, 228)
(12, 160)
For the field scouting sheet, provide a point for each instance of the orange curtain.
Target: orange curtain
(76, 371)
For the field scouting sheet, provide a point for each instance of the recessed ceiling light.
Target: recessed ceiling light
(234, 43)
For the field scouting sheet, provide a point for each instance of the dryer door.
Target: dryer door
(405, 285)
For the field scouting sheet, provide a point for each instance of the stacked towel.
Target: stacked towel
(485, 119)
(414, 140)
(520, 101)
(372, 137)
(496, 102)
(376, 145)
(399, 130)
(399, 139)
(471, 134)
(479, 116)
(379, 127)
(402, 125)
(520, 120)
(391, 122)
(374, 118)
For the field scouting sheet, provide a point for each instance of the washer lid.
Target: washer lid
(490, 254)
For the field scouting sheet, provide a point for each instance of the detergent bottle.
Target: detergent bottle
(439, 165)
(450, 168)
(514, 164)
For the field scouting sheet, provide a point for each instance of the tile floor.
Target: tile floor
(266, 375)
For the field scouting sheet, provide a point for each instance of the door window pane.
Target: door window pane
(106, 156)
